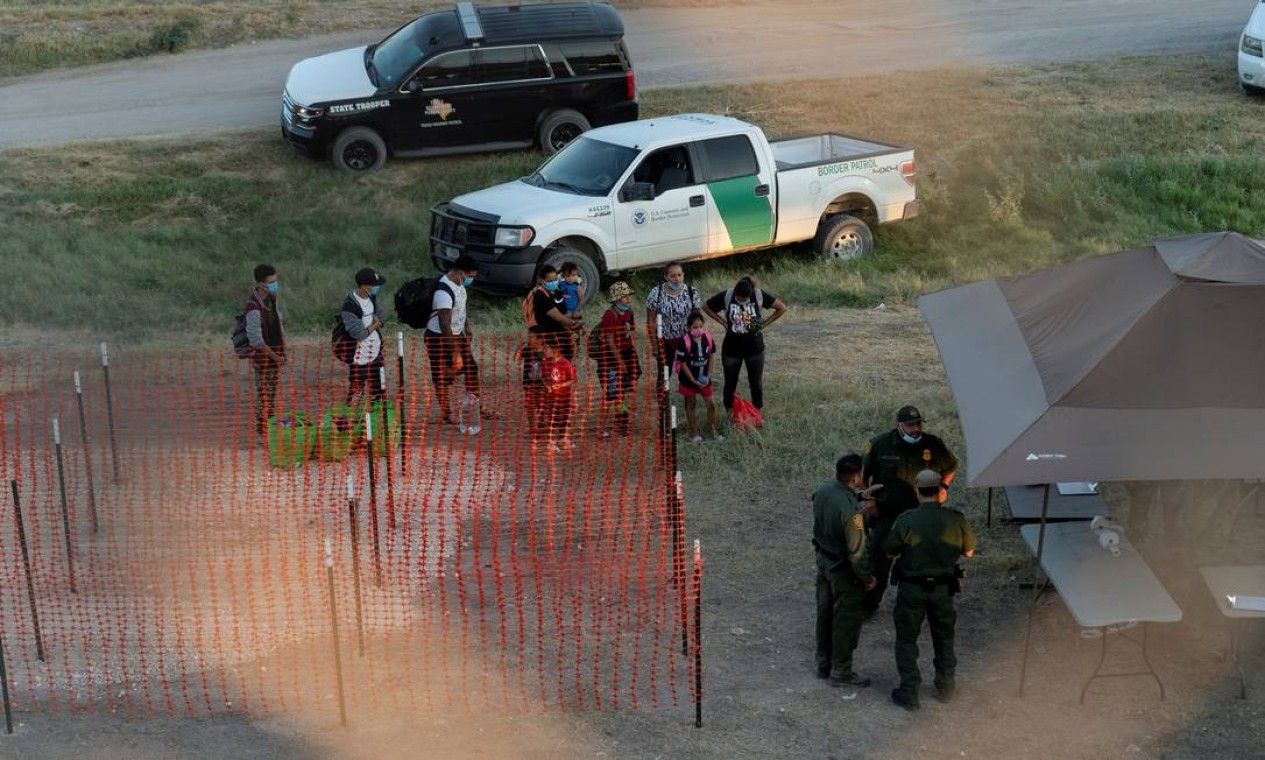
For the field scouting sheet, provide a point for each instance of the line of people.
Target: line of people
(675, 327)
(884, 513)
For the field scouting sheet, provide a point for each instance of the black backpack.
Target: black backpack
(343, 344)
(415, 299)
(241, 343)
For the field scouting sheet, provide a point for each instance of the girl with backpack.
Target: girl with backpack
(741, 309)
(693, 364)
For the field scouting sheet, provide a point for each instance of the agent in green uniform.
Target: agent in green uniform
(843, 569)
(926, 542)
(894, 459)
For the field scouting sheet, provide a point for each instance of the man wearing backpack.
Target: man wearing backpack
(362, 317)
(266, 335)
(448, 336)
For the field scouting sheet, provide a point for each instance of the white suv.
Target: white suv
(1251, 61)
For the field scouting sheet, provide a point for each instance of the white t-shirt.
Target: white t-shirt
(367, 349)
(456, 301)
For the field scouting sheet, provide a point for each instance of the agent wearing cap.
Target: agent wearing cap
(362, 318)
(617, 363)
(894, 459)
(927, 542)
(843, 569)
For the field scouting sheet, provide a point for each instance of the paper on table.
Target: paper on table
(1241, 602)
(1079, 488)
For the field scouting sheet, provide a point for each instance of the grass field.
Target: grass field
(1018, 169)
(35, 36)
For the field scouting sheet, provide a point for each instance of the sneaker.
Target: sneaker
(566, 443)
(945, 694)
(696, 439)
(900, 700)
(548, 448)
(606, 434)
(718, 438)
(823, 672)
(848, 679)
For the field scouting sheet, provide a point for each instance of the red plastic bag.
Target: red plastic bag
(746, 416)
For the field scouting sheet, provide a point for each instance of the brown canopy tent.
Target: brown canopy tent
(1146, 364)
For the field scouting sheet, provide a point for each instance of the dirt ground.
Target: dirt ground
(761, 698)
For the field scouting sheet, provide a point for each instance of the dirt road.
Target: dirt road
(766, 39)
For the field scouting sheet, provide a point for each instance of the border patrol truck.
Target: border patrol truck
(678, 188)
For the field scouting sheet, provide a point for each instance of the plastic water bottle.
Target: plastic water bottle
(468, 415)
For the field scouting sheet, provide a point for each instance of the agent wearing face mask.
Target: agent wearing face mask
(894, 460)
(267, 342)
(448, 335)
(363, 317)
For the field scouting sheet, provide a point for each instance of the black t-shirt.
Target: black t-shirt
(544, 301)
(698, 356)
(743, 336)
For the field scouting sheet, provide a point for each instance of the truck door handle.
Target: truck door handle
(696, 201)
(762, 191)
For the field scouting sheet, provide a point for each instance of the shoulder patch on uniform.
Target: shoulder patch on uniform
(926, 455)
(858, 521)
(867, 447)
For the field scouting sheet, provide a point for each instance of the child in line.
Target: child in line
(557, 376)
(694, 375)
(572, 288)
(617, 365)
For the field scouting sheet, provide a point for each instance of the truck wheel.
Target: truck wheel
(843, 237)
(590, 277)
(560, 128)
(359, 150)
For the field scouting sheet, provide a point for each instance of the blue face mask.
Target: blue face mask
(467, 282)
(623, 306)
(272, 287)
(375, 290)
(552, 286)
(676, 285)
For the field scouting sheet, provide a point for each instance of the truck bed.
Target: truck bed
(824, 149)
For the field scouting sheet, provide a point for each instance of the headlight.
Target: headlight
(514, 237)
(1251, 45)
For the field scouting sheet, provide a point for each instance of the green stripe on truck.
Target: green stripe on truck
(748, 217)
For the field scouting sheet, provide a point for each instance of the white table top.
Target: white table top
(1248, 580)
(1098, 588)
(1025, 504)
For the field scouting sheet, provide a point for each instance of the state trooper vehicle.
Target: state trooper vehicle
(678, 188)
(464, 80)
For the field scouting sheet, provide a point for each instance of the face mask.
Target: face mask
(551, 286)
(623, 306)
(676, 285)
(272, 287)
(697, 332)
(375, 290)
(467, 282)
(909, 438)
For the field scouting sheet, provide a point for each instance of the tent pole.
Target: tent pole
(1027, 638)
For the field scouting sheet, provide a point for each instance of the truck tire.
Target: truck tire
(843, 237)
(590, 277)
(359, 150)
(559, 128)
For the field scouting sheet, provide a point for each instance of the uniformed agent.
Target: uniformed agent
(843, 569)
(894, 459)
(926, 542)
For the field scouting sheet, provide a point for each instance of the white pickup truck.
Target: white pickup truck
(678, 188)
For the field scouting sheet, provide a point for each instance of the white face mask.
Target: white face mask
(907, 438)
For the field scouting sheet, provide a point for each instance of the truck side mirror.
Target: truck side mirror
(411, 86)
(637, 191)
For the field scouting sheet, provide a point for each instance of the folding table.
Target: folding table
(1236, 580)
(1100, 589)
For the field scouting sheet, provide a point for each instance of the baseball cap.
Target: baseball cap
(927, 479)
(909, 414)
(369, 276)
(620, 289)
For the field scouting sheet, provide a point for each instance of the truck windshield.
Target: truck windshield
(585, 167)
(397, 55)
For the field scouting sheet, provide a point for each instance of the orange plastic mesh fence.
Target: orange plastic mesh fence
(176, 556)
